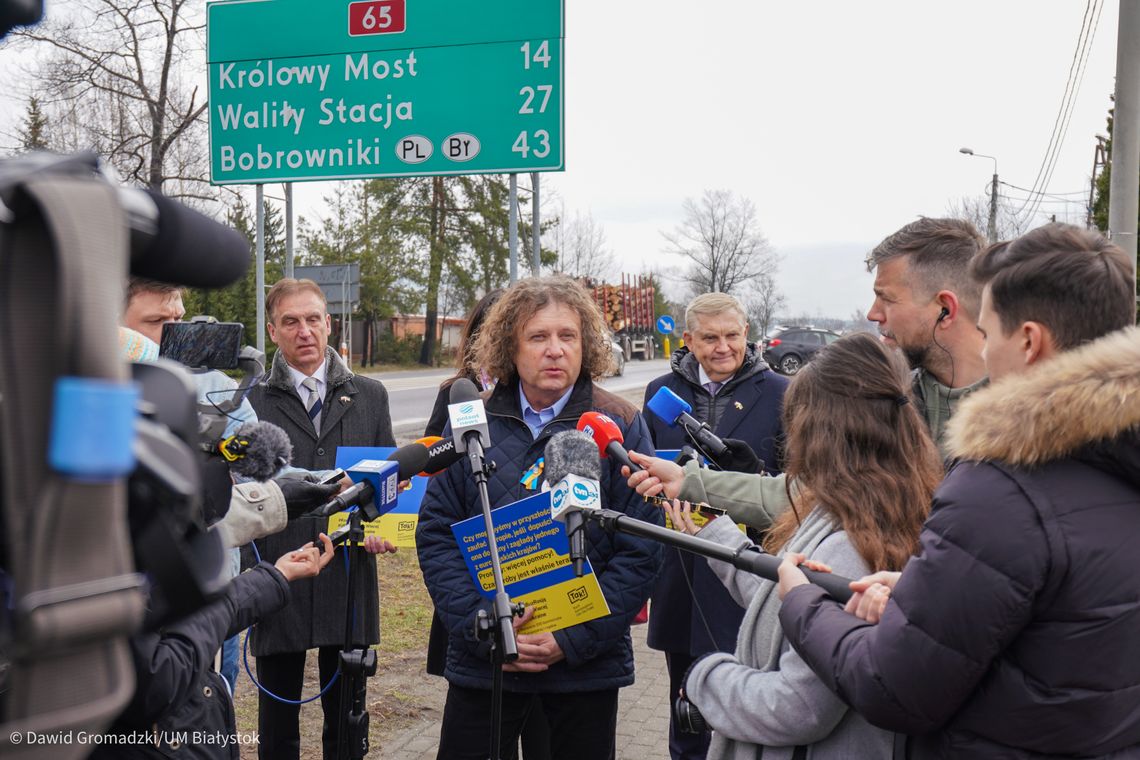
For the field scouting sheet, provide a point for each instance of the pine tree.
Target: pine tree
(33, 134)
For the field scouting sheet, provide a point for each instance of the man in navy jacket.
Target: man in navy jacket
(729, 386)
(545, 340)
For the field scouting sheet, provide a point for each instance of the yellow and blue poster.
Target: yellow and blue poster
(534, 553)
(399, 525)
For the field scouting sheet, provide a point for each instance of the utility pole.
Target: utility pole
(991, 228)
(1125, 157)
(1100, 160)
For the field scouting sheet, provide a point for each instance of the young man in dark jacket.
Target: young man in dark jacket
(733, 390)
(1013, 633)
(546, 341)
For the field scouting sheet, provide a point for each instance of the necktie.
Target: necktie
(712, 387)
(313, 402)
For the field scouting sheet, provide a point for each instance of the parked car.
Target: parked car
(619, 358)
(787, 349)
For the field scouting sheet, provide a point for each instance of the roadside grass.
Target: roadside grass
(405, 607)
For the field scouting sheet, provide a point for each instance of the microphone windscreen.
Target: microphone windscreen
(462, 390)
(191, 249)
(602, 429)
(571, 452)
(269, 449)
(668, 406)
(410, 459)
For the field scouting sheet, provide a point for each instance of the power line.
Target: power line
(1032, 192)
(1059, 201)
(1082, 68)
(1067, 97)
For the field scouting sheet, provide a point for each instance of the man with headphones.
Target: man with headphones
(927, 305)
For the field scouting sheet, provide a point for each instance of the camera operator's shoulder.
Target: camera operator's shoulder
(614, 406)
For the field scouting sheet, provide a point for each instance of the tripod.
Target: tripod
(357, 664)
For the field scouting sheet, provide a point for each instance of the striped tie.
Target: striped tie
(313, 403)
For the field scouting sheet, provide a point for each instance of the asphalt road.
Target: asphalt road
(411, 393)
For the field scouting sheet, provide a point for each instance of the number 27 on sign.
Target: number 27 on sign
(376, 17)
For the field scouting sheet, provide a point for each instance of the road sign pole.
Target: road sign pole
(288, 229)
(513, 226)
(536, 222)
(260, 276)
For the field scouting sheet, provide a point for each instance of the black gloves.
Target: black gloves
(302, 496)
(739, 457)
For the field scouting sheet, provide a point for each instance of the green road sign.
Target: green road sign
(381, 88)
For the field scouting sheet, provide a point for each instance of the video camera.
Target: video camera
(102, 530)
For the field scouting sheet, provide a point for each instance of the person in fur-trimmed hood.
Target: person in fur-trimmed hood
(1015, 632)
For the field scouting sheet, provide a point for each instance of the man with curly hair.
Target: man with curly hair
(546, 342)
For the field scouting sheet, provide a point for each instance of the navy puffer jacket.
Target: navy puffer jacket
(1015, 632)
(599, 653)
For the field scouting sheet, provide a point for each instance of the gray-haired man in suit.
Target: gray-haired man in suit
(321, 404)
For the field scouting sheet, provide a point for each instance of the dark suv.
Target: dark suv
(789, 348)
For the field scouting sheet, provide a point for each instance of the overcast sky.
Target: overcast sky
(841, 121)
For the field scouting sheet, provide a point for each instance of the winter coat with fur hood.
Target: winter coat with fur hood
(1015, 632)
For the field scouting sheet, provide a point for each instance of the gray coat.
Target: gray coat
(355, 414)
(766, 695)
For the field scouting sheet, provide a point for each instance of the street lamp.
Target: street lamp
(991, 230)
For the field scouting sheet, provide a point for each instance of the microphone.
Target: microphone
(441, 454)
(468, 417)
(256, 450)
(607, 435)
(376, 483)
(673, 409)
(572, 470)
(173, 243)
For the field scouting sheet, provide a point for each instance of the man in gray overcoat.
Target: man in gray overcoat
(321, 404)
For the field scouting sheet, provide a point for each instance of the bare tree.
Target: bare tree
(720, 236)
(584, 249)
(858, 322)
(110, 77)
(763, 302)
(976, 211)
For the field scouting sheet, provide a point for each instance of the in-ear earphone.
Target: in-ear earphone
(943, 314)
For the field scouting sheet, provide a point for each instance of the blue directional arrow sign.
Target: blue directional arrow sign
(665, 324)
